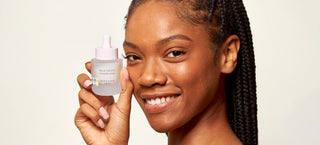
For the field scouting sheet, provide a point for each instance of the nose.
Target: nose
(152, 74)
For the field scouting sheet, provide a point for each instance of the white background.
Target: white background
(45, 43)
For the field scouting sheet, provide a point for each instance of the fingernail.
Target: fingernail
(101, 124)
(87, 83)
(125, 73)
(103, 112)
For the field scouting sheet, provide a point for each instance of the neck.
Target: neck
(210, 127)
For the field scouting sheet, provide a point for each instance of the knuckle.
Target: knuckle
(123, 92)
(82, 93)
(84, 106)
(96, 117)
(89, 112)
(89, 98)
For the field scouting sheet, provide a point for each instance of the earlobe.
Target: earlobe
(230, 48)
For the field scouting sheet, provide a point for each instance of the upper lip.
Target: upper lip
(156, 95)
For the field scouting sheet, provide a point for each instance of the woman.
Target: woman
(190, 66)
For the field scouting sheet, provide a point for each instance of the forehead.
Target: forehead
(158, 20)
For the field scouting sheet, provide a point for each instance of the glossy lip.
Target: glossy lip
(154, 109)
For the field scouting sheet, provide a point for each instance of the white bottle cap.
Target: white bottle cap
(106, 52)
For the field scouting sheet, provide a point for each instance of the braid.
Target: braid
(224, 18)
(221, 20)
(241, 84)
(243, 108)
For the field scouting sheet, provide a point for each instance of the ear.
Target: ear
(229, 54)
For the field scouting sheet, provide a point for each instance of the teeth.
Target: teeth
(163, 100)
(153, 101)
(157, 101)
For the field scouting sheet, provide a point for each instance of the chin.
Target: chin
(161, 128)
(162, 124)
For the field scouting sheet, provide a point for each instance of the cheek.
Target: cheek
(195, 74)
(134, 73)
(184, 74)
(199, 81)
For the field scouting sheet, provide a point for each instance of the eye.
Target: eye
(175, 53)
(131, 57)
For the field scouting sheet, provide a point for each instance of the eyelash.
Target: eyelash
(128, 57)
(174, 53)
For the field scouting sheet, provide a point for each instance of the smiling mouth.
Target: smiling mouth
(159, 100)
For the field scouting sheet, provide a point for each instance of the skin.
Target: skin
(114, 129)
(166, 56)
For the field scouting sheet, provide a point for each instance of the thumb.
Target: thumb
(124, 101)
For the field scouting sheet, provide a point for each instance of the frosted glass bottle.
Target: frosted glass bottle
(105, 70)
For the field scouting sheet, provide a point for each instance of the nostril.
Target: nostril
(151, 82)
(155, 84)
(152, 76)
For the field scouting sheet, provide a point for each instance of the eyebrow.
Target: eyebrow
(161, 42)
(173, 37)
(129, 44)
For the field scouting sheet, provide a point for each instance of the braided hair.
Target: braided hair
(224, 18)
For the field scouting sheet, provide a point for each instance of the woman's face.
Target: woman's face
(171, 64)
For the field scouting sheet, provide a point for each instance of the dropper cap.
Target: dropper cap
(106, 52)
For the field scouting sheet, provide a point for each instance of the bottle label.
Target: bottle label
(105, 73)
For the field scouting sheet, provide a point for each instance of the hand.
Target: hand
(102, 121)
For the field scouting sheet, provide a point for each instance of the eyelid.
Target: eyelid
(172, 49)
(180, 53)
(135, 57)
(124, 56)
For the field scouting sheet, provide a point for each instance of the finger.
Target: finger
(105, 100)
(92, 114)
(84, 81)
(87, 97)
(125, 96)
(88, 66)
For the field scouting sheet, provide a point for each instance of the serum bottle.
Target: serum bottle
(105, 69)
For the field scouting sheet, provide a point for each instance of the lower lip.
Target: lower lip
(158, 108)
